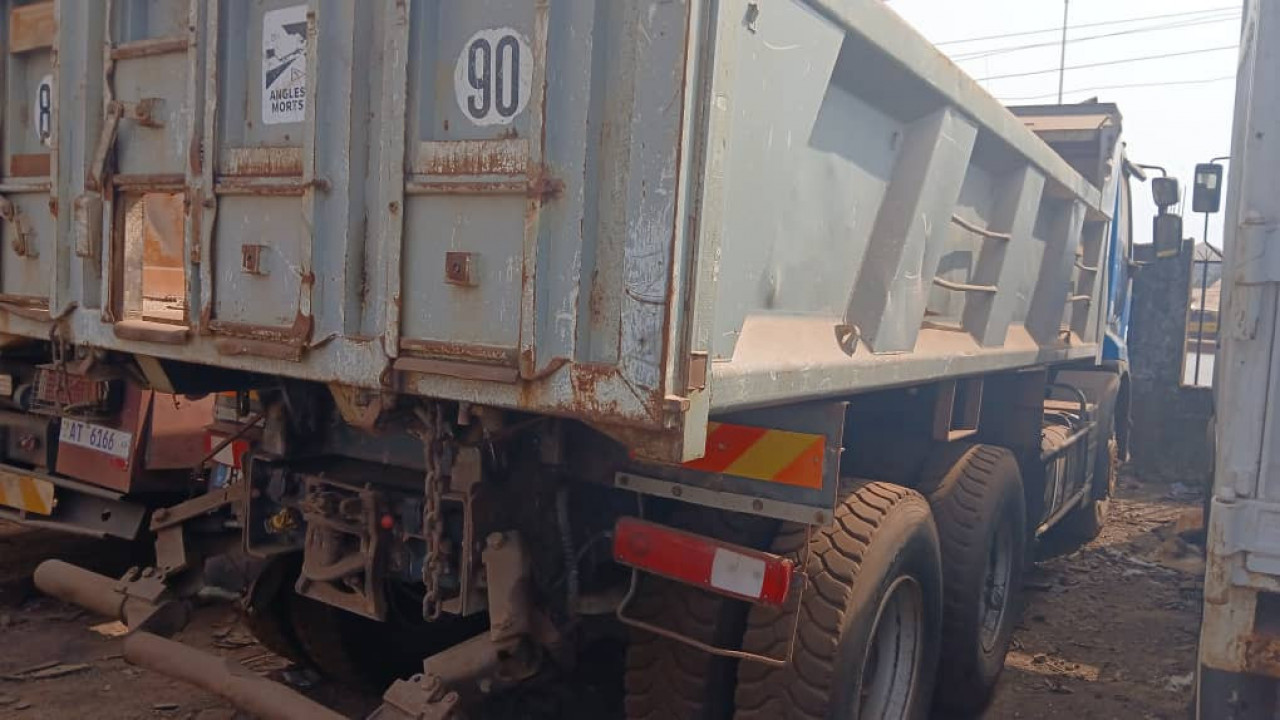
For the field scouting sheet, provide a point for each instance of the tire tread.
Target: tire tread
(838, 549)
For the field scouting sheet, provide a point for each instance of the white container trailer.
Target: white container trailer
(1239, 653)
(483, 274)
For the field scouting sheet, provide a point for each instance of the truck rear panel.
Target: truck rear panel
(637, 215)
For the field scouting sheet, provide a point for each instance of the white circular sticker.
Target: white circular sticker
(494, 76)
(44, 111)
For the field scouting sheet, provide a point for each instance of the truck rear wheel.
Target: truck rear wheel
(869, 620)
(344, 647)
(978, 504)
(670, 680)
(266, 609)
(364, 653)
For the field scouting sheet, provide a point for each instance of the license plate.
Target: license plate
(110, 441)
(26, 493)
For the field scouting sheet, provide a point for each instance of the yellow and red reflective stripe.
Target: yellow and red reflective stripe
(779, 456)
(26, 493)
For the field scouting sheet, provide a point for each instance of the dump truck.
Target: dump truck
(755, 333)
(1239, 647)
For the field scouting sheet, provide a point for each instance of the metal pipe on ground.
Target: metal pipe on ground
(222, 676)
(77, 586)
(110, 598)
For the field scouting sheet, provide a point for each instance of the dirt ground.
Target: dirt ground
(1109, 631)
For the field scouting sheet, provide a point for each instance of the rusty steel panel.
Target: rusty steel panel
(636, 214)
(28, 233)
(1240, 631)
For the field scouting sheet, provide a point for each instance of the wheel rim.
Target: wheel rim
(892, 659)
(995, 586)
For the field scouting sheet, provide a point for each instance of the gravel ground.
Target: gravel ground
(1109, 631)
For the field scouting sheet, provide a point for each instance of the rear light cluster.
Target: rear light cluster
(708, 563)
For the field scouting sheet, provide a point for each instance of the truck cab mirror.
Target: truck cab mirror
(1166, 233)
(1206, 196)
(1164, 190)
(1166, 229)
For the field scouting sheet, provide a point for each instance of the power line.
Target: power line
(1202, 81)
(979, 54)
(1108, 62)
(1165, 16)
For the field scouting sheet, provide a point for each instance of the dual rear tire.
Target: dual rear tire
(896, 582)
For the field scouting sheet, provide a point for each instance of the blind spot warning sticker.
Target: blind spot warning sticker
(284, 65)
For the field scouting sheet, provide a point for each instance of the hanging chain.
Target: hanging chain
(60, 348)
(433, 436)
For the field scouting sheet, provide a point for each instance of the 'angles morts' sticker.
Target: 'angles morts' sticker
(284, 65)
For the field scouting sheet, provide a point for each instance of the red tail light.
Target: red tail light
(718, 566)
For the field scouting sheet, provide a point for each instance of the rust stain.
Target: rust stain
(1262, 655)
(294, 335)
(596, 300)
(264, 162)
(545, 188)
(24, 301)
(195, 155)
(467, 187)
(196, 211)
(29, 165)
(206, 318)
(458, 351)
(251, 185)
(149, 47)
(174, 182)
(453, 368)
(258, 348)
(32, 308)
(473, 157)
(459, 268)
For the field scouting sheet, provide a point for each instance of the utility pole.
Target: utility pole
(1062, 60)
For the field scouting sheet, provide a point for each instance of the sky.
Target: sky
(1173, 125)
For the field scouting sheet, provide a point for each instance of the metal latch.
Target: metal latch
(698, 370)
(23, 241)
(147, 112)
(251, 261)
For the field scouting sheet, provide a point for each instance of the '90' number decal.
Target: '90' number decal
(493, 77)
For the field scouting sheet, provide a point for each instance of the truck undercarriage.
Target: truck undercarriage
(461, 550)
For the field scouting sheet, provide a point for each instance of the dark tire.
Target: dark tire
(1086, 522)
(670, 680)
(266, 612)
(320, 630)
(869, 621)
(367, 654)
(978, 505)
(343, 647)
(1222, 695)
